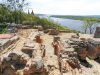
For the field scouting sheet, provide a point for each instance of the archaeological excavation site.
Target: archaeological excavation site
(52, 52)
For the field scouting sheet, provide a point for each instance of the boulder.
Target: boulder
(53, 32)
(97, 33)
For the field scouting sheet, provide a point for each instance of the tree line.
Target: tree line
(89, 24)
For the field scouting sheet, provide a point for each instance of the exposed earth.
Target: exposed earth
(50, 58)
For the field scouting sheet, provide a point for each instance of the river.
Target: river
(70, 23)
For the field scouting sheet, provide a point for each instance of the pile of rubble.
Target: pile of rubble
(72, 52)
(68, 59)
(27, 61)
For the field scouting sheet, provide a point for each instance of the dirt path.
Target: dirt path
(48, 43)
(50, 58)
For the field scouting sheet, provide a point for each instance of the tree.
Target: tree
(32, 12)
(89, 23)
(28, 12)
(85, 27)
(17, 7)
(4, 11)
(22, 4)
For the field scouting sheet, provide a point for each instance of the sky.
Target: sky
(66, 7)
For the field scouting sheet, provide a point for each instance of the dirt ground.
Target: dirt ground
(47, 41)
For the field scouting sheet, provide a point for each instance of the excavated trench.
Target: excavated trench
(43, 54)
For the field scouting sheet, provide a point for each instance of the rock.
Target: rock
(40, 28)
(56, 48)
(75, 36)
(53, 32)
(39, 39)
(83, 39)
(56, 38)
(97, 33)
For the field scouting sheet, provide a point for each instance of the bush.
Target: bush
(3, 28)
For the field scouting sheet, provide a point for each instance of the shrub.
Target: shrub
(3, 28)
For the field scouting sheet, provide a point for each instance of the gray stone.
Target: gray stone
(97, 33)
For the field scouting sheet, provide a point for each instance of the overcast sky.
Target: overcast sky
(66, 7)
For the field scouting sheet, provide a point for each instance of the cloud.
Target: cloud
(66, 7)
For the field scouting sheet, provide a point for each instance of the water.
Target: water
(72, 24)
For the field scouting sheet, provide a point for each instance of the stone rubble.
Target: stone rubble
(43, 54)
